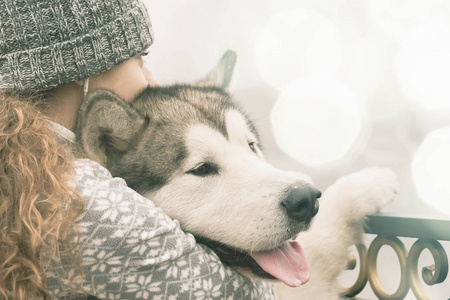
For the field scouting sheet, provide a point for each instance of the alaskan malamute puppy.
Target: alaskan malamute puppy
(192, 150)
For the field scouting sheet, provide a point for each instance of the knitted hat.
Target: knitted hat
(44, 44)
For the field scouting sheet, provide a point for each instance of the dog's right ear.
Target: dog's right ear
(220, 75)
(106, 126)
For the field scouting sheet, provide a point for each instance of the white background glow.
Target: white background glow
(296, 43)
(423, 65)
(316, 120)
(431, 169)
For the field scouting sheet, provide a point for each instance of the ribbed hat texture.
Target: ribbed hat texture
(44, 44)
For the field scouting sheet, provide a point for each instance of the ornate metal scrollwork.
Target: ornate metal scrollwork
(431, 275)
(374, 280)
(361, 281)
(434, 274)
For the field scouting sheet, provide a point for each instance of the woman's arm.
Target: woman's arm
(132, 250)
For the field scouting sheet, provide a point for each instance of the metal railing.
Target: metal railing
(427, 232)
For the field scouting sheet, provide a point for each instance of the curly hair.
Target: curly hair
(38, 206)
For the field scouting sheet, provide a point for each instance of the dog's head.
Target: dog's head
(193, 151)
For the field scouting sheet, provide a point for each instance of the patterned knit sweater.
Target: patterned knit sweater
(132, 250)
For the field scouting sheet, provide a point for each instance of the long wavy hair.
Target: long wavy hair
(38, 206)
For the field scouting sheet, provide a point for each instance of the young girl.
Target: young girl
(67, 228)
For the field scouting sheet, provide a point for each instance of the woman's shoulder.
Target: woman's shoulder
(88, 167)
(95, 184)
(91, 176)
(116, 213)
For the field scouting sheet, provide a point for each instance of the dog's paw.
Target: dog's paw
(368, 190)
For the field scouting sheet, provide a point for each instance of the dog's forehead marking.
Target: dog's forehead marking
(237, 127)
(201, 137)
(204, 142)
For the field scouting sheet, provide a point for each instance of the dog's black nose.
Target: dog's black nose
(301, 203)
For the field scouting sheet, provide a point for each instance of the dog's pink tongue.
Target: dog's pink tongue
(288, 263)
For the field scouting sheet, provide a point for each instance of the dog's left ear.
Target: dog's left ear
(220, 75)
(106, 126)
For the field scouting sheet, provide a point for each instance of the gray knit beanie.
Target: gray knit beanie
(44, 44)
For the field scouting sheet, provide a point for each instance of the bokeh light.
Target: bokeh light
(423, 66)
(297, 43)
(431, 169)
(393, 19)
(317, 120)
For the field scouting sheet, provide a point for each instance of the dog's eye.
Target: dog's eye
(252, 146)
(203, 170)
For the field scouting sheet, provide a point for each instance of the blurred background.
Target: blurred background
(333, 86)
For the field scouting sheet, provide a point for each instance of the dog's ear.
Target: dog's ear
(220, 75)
(106, 126)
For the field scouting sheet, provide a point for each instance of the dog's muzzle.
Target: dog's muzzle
(301, 203)
(287, 261)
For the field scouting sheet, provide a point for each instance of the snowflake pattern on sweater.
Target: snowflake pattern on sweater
(132, 250)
